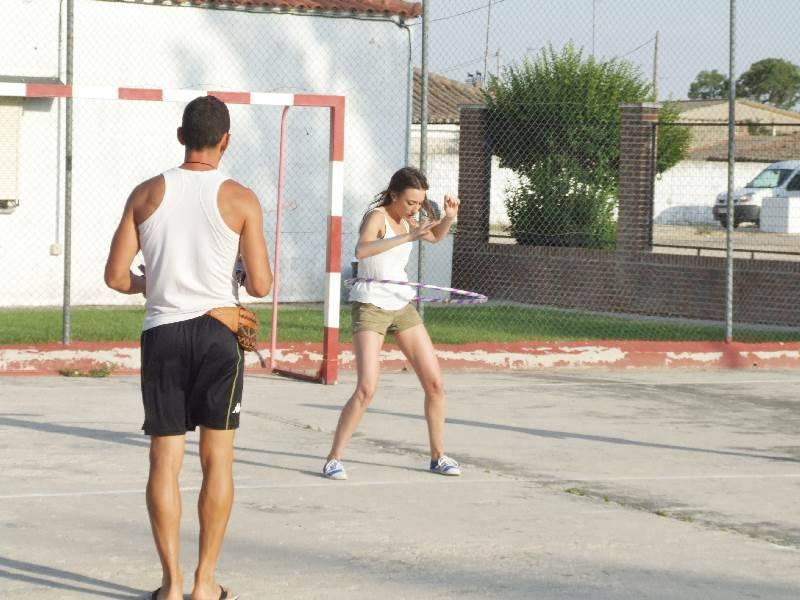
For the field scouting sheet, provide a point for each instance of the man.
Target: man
(191, 224)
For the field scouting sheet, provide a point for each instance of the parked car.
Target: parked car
(775, 180)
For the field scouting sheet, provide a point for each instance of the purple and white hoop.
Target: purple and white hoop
(468, 297)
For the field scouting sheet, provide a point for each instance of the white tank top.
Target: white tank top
(386, 265)
(189, 251)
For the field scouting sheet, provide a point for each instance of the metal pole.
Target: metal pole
(423, 134)
(486, 47)
(497, 63)
(655, 67)
(593, 14)
(409, 96)
(273, 346)
(731, 169)
(66, 336)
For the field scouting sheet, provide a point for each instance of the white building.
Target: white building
(445, 96)
(685, 194)
(361, 52)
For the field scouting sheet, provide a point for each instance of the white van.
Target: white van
(775, 180)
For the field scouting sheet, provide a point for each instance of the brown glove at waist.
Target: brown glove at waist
(242, 322)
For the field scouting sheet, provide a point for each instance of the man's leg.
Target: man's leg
(164, 508)
(213, 507)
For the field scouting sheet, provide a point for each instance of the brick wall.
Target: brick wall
(630, 279)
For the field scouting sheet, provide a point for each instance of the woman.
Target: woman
(384, 245)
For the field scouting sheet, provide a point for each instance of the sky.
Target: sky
(693, 34)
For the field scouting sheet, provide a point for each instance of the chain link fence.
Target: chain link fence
(580, 219)
(228, 47)
(575, 233)
(690, 199)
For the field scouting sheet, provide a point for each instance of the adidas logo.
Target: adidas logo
(237, 409)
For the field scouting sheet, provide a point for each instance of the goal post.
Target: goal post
(328, 370)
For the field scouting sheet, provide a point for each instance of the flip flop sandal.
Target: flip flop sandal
(225, 595)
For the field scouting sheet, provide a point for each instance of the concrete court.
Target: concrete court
(577, 484)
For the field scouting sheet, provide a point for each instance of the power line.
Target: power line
(466, 12)
(639, 47)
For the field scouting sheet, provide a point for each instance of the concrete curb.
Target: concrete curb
(49, 359)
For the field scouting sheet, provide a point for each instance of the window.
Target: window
(794, 184)
(10, 117)
(770, 178)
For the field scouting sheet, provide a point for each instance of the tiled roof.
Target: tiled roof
(444, 96)
(385, 7)
(752, 148)
(684, 105)
(744, 108)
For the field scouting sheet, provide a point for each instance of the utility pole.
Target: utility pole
(655, 68)
(423, 134)
(730, 213)
(593, 21)
(66, 326)
(486, 48)
(497, 63)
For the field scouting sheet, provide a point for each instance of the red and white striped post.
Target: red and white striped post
(330, 341)
(330, 349)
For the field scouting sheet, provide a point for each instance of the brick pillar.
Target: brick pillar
(474, 172)
(474, 184)
(637, 154)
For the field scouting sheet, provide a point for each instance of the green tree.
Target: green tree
(709, 85)
(773, 81)
(555, 121)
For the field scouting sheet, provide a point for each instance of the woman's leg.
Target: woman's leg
(367, 347)
(417, 346)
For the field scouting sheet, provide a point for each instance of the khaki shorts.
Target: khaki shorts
(368, 317)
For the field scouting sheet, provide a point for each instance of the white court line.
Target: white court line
(439, 481)
(265, 486)
(683, 477)
(674, 383)
(702, 383)
(592, 382)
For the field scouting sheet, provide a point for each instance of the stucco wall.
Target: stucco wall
(118, 144)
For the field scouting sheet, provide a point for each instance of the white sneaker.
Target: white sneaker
(445, 466)
(334, 469)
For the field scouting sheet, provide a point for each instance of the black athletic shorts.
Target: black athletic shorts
(191, 375)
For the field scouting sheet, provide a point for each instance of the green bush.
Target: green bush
(555, 121)
(549, 207)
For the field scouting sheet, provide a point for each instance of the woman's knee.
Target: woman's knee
(364, 394)
(433, 387)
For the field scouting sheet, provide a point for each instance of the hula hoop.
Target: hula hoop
(468, 297)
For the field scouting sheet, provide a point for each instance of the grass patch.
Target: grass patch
(103, 371)
(446, 324)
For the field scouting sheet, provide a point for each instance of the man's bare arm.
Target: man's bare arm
(253, 247)
(124, 247)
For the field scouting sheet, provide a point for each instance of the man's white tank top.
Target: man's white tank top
(189, 251)
(386, 265)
